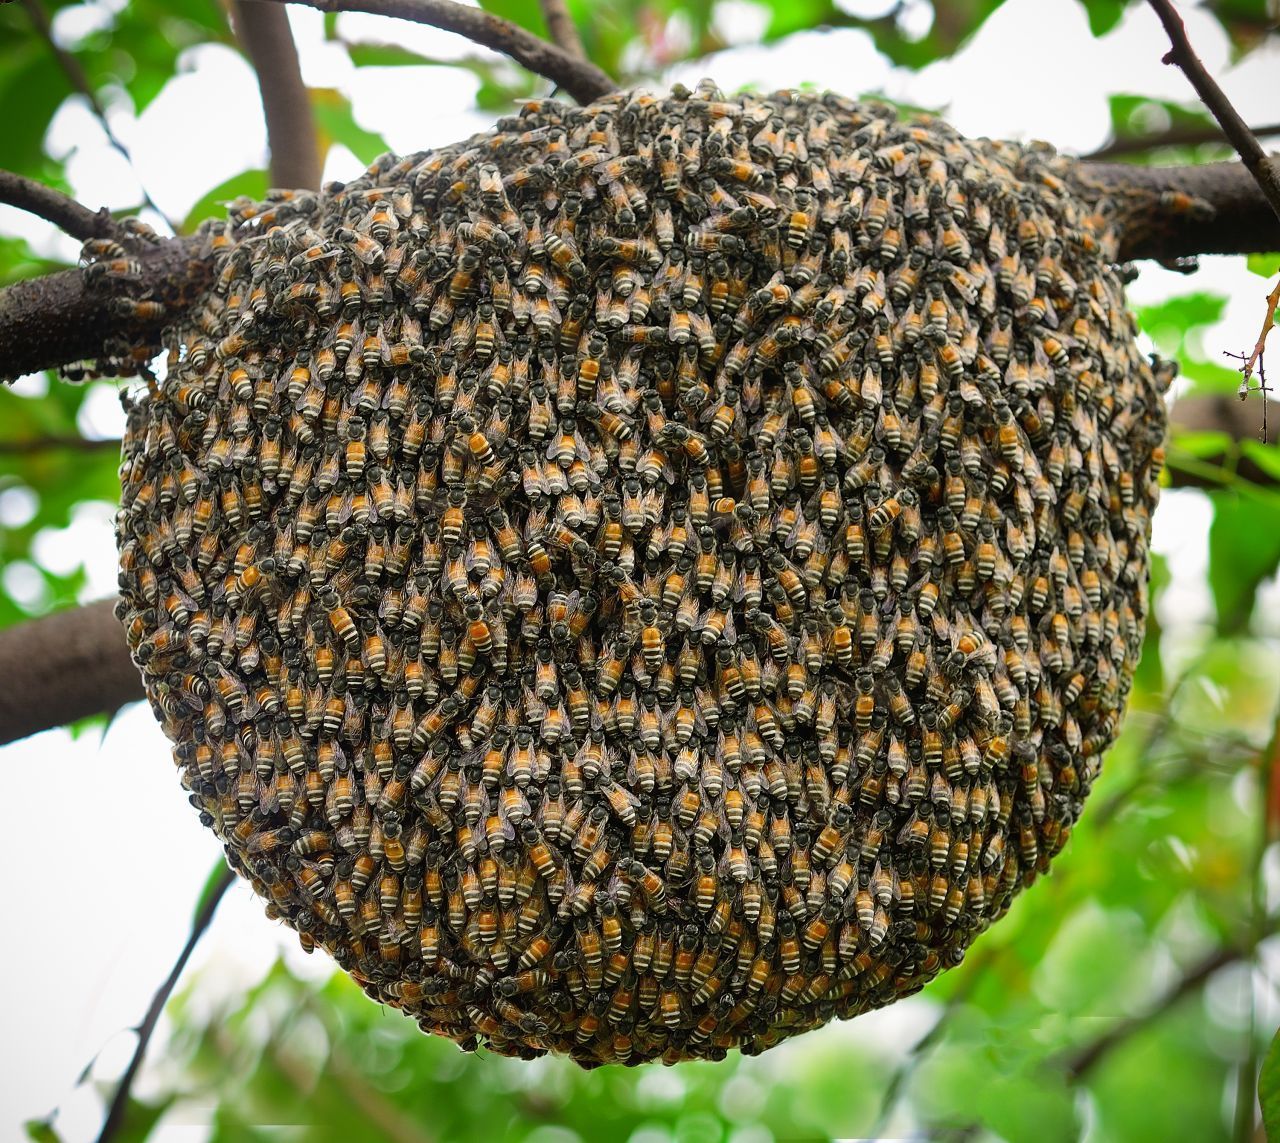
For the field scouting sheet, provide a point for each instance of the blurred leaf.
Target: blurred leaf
(1267, 265)
(390, 55)
(1183, 313)
(1244, 549)
(1150, 672)
(1204, 442)
(526, 13)
(1103, 14)
(212, 203)
(1265, 456)
(140, 1118)
(1208, 376)
(212, 884)
(41, 1131)
(17, 262)
(335, 123)
(32, 82)
(1269, 1091)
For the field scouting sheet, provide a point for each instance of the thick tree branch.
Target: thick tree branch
(562, 28)
(199, 924)
(64, 667)
(583, 80)
(1153, 216)
(53, 206)
(1174, 137)
(1265, 171)
(62, 318)
(263, 31)
(79, 82)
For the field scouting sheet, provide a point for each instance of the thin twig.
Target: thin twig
(199, 923)
(64, 212)
(581, 79)
(263, 32)
(1080, 1063)
(1186, 136)
(1268, 323)
(562, 28)
(54, 443)
(1266, 172)
(80, 83)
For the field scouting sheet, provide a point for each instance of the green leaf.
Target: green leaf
(1183, 313)
(38, 88)
(140, 1119)
(211, 884)
(41, 1131)
(388, 55)
(335, 123)
(1265, 265)
(1265, 456)
(526, 13)
(1103, 14)
(1269, 1091)
(1244, 549)
(1209, 377)
(210, 205)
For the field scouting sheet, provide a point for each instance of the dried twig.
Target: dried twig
(80, 83)
(263, 31)
(1249, 361)
(562, 28)
(1265, 171)
(582, 80)
(64, 212)
(199, 924)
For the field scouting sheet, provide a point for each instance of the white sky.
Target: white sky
(89, 959)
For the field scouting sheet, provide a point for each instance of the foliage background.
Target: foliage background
(1131, 995)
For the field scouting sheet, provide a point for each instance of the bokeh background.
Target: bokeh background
(1128, 996)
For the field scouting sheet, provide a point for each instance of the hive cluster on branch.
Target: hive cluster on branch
(654, 577)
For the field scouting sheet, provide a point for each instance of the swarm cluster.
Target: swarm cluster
(657, 576)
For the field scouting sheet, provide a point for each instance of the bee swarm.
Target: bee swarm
(655, 577)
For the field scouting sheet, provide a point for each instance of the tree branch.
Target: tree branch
(53, 206)
(79, 82)
(1266, 172)
(1083, 1061)
(61, 318)
(64, 667)
(1174, 137)
(55, 442)
(1152, 215)
(583, 80)
(199, 924)
(562, 28)
(263, 32)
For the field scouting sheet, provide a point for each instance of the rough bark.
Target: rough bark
(1153, 226)
(61, 318)
(64, 667)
